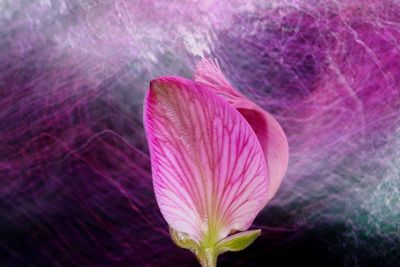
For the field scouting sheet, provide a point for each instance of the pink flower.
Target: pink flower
(217, 159)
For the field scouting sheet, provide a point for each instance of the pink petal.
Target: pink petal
(269, 132)
(208, 167)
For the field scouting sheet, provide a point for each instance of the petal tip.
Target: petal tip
(156, 84)
(209, 72)
(159, 87)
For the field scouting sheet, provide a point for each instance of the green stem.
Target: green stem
(208, 257)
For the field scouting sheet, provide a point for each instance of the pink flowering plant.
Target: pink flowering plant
(217, 159)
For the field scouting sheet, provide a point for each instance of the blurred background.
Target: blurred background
(75, 181)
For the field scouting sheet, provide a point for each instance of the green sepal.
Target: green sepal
(237, 242)
(207, 253)
(183, 240)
